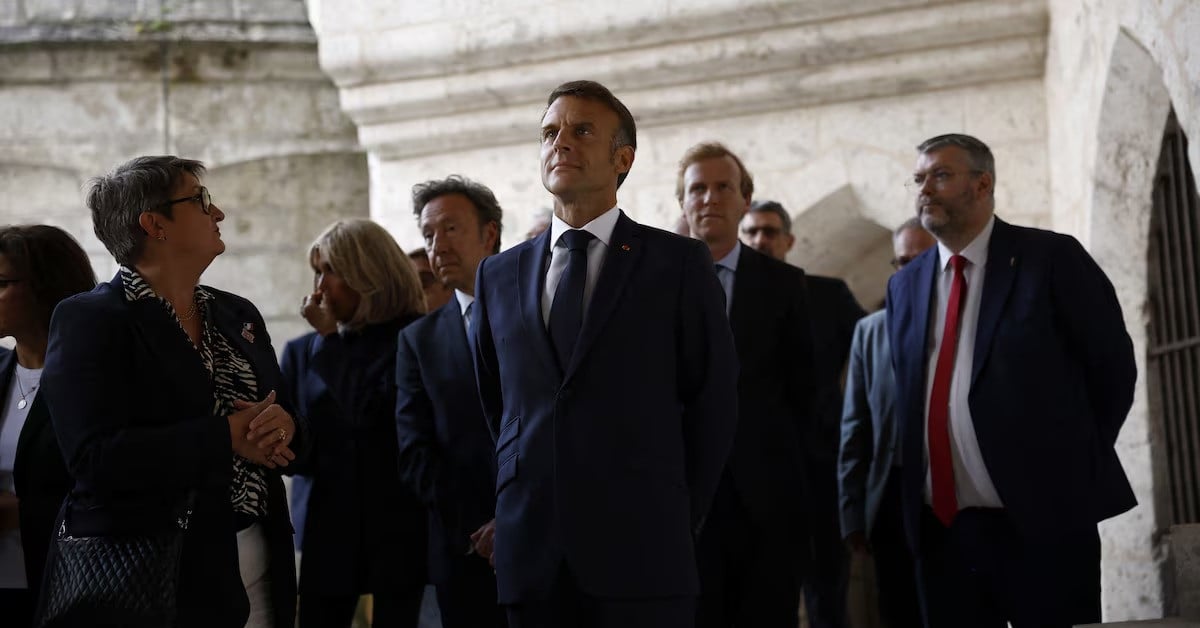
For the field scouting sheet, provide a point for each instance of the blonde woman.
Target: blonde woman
(361, 530)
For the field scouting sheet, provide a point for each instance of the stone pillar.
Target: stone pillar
(1113, 72)
(87, 84)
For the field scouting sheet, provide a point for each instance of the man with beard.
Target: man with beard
(1014, 374)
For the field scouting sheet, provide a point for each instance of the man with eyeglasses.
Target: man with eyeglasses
(767, 227)
(1014, 374)
(868, 463)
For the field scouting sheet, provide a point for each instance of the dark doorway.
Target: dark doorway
(1174, 333)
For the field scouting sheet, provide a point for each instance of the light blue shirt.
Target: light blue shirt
(726, 268)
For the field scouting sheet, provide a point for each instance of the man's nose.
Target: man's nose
(440, 244)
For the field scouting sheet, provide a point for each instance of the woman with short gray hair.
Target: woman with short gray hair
(166, 392)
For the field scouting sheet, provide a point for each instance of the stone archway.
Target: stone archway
(1134, 108)
(835, 238)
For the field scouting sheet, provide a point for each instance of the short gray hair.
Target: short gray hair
(773, 207)
(118, 199)
(911, 223)
(978, 152)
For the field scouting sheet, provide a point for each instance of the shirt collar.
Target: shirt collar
(601, 226)
(730, 260)
(137, 288)
(464, 301)
(976, 252)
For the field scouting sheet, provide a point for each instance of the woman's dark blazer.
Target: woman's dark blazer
(364, 531)
(132, 405)
(40, 477)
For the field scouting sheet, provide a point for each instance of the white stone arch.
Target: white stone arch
(1133, 112)
(844, 207)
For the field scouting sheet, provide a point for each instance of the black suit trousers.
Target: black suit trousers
(827, 577)
(980, 572)
(467, 599)
(748, 576)
(895, 573)
(569, 607)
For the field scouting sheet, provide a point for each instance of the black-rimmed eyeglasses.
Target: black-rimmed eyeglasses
(203, 198)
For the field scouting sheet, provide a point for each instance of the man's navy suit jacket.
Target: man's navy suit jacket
(1051, 382)
(608, 465)
(770, 319)
(446, 453)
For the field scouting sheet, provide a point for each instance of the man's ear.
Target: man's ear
(491, 236)
(987, 184)
(623, 159)
(151, 223)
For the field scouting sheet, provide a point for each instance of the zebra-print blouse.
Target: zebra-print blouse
(233, 378)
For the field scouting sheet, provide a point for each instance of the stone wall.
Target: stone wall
(85, 85)
(824, 101)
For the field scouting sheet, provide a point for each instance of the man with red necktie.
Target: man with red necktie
(1014, 374)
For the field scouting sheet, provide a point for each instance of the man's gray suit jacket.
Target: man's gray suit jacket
(870, 436)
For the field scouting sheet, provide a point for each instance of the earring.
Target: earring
(162, 238)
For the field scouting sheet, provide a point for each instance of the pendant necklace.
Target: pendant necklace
(23, 403)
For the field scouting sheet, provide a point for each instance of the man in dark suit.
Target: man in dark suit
(869, 463)
(752, 550)
(608, 376)
(446, 452)
(1014, 373)
(767, 227)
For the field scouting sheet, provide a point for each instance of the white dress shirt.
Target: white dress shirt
(464, 301)
(972, 484)
(602, 227)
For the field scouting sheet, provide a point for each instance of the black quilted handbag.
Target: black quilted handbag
(119, 580)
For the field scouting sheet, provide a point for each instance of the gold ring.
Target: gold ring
(282, 434)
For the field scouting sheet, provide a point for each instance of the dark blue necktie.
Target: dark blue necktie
(566, 312)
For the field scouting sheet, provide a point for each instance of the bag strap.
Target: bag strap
(183, 516)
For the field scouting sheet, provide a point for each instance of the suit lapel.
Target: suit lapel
(452, 327)
(746, 283)
(624, 248)
(315, 388)
(531, 277)
(163, 337)
(997, 283)
(247, 340)
(917, 342)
